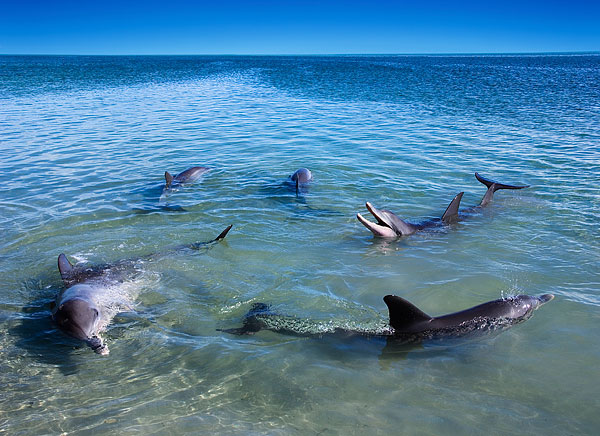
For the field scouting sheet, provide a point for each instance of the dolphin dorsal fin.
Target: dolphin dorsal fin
(168, 179)
(451, 213)
(64, 266)
(403, 313)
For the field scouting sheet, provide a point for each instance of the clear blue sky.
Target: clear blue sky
(297, 27)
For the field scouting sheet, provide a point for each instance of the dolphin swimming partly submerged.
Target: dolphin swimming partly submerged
(407, 323)
(188, 176)
(301, 178)
(94, 295)
(390, 226)
(172, 183)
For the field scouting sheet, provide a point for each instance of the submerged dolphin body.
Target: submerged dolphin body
(407, 323)
(390, 226)
(92, 296)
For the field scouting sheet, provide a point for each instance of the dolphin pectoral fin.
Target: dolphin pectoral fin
(451, 213)
(168, 179)
(64, 266)
(377, 229)
(403, 313)
(493, 187)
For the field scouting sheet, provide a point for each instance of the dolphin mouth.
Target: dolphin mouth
(382, 227)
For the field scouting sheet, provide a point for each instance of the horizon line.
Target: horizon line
(524, 53)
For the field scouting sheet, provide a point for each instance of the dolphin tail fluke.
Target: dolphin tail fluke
(451, 213)
(168, 179)
(64, 266)
(199, 245)
(493, 187)
(403, 313)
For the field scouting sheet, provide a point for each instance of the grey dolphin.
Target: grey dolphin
(188, 176)
(407, 323)
(301, 176)
(92, 296)
(388, 224)
(172, 183)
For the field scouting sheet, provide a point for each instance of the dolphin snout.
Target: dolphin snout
(545, 298)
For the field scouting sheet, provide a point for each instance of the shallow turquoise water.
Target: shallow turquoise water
(84, 142)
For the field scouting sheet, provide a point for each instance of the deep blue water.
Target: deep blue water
(85, 141)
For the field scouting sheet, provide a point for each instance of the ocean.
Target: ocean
(85, 142)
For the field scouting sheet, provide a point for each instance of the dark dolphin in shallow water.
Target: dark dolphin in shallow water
(188, 176)
(407, 323)
(388, 224)
(300, 178)
(172, 183)
(93, 295)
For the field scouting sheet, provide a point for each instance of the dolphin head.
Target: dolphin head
(388, 224)
(302, 175)
(524, 305)
(77, 318)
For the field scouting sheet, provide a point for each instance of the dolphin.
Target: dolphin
(407, 323)
(95, 294)
(188, 176)
(301, 177)
(390, 226)
(172, 183)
